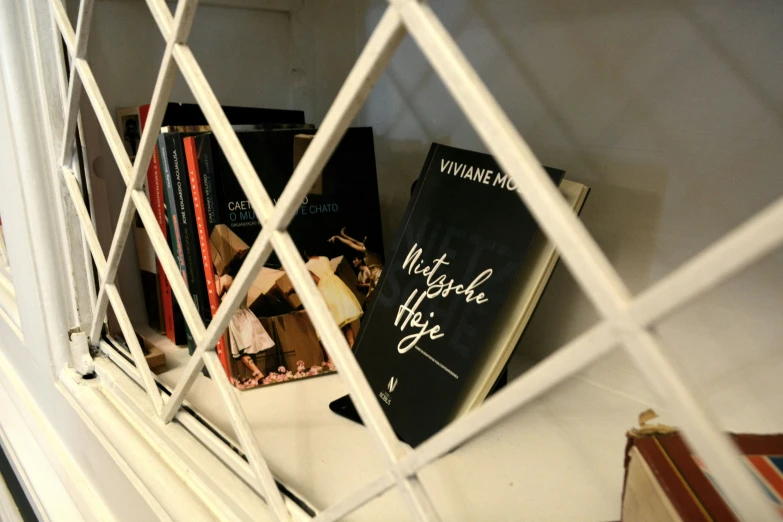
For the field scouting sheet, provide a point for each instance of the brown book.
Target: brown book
(664, 480)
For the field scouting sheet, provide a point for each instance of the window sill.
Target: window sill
(180, 478)
(313, 452)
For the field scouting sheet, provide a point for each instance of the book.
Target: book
(202, 182)
(183, 236)
(192, 223)
(155, 285)
(452, 302)
(337, 229)
(163, 312)
(665, 480)
(179, 211)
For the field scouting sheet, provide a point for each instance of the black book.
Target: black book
(131, 120)
(179, 211)
(337, 229)
(451, 284)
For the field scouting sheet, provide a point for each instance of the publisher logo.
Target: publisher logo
(386, 397)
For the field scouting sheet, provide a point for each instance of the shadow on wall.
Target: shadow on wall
(624, 221)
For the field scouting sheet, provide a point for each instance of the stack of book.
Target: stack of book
(210, 224)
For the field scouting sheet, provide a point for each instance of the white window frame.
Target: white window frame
(626, 323)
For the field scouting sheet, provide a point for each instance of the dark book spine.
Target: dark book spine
(180, 330)
(200, 214)
(210, 186)
(159, 209)
(150, 273)
(188, 231)
(168, 165)
(155, 193)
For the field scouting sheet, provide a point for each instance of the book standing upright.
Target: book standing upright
(453, 300)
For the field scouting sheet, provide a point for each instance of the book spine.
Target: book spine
(701, 486)
(194, 173)
(194, 270)
(144, 252)
(211, 194)
(155, 193)
(159, 209)
(682, 497)
(176, 242)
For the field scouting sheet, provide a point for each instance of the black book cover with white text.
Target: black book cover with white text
(462, 240)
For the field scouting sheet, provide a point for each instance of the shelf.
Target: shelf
(568, 444)
(285, 6)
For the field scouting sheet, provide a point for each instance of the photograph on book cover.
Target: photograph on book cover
(270, 336)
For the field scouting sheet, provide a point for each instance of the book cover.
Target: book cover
(337, 229)
(461, 243)
(666, 480)
(163, 313)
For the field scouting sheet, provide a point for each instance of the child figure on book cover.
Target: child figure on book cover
(343, 305)
(247, 336)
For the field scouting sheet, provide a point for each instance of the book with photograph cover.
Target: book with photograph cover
(183, 193)
(163, 313)
(467, 271)
(181, 214)
(337, 228)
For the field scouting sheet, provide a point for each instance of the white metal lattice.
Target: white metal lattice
(626, 320)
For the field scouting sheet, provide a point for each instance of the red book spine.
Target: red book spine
(155, 186)
(191, 156)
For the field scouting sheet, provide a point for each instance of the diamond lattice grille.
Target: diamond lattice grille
(626, 320)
